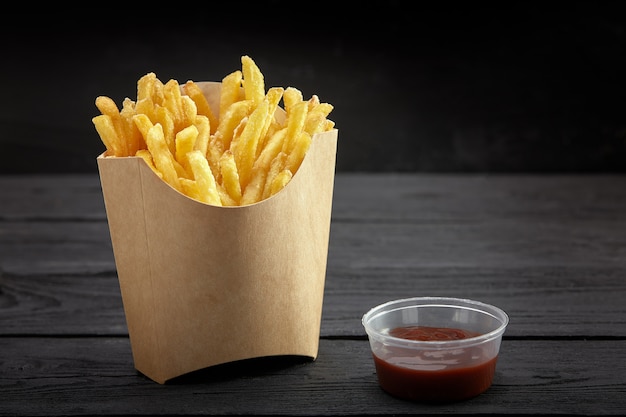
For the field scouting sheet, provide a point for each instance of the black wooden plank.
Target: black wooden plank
(95, 376)
(51, 197)
(541, 302)
(493, 243)
(457, 197)
(488, 243)
(44, 247)
(61, 305)
(359, 246)
(571, 276)
(391, 196)
(560, 301)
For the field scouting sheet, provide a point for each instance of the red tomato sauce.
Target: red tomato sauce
(428, 380)
(431, 333)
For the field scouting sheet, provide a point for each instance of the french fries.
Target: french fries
(237, 154)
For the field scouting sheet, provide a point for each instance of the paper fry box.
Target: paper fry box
(203, 285)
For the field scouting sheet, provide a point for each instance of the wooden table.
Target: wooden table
(549, 250)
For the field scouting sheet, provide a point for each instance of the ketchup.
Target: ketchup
(431, 333)
(459, 374)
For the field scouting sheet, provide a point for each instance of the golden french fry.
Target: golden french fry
(324, 108)
(213, 155)
(273, 146)
(204, 134)
(253, 80)
(295, 125)
(313, 102)
(316, 118)
(163, 116)
(189, 111)
(273, 97)
(276, 166)
(151, 88)
(225, 197)
(291, 97)
(275, 126)
(132, 134)
(143, 123)
(245, 149)
(231, 92)
(163, 158)
(231, 119)
(185, 143)
(280, 181)
(147, 156)
(108, 107)
(190, 188)
(203, 108)
(254, 190)
(105, 128)
(172, 100)
(295, 157)
(207, 187)
(315, 122)
(230, 176)
(237, 154)
(146, 106)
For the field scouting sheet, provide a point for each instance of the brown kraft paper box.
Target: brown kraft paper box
(204, 285)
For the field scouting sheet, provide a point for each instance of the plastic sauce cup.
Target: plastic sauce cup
(435, 349)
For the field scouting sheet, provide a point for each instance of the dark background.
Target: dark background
(451, 87)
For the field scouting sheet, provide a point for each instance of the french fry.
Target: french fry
(185, 143)
(245, 149)
(316, 118)
(291, 97)
(230, 93)
(313, 102)
(253, 80)
(146, 106)
(195, 93)
(226, 199)
(273, 146)
(131, 133)
(108, 107)
(163, 116)
(151, 88)
(231, 119)
(163, 158)
(108, 134)
(254, 190)
(190, 188)
(296, 155)
(213, 155)
(237, 154)
(273, 97)
(207, 188)
(147, 156)
(204, 133)
(295, 125)
(279, 181)
(172, 101)
(230, 176)
(276, 166)
(143, 123)
(189, 111)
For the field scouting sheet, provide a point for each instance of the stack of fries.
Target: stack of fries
(243, 152)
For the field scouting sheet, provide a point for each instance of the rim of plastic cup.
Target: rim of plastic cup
(463, 303)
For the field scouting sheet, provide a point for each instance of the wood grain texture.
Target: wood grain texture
(549, 250)
(74, 376)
